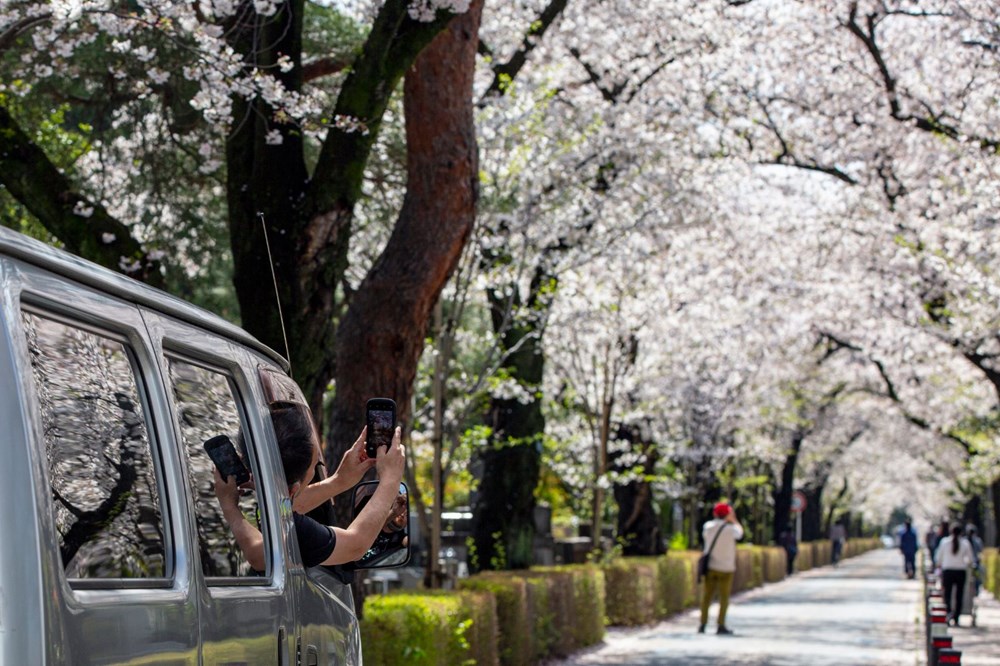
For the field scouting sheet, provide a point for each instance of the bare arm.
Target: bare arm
(355, 540)
(248, 537)
(352, 468)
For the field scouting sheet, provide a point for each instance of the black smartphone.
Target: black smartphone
(380, 416)
(222, 452)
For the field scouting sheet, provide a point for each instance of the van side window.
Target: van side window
(207, 402)
(105, 495)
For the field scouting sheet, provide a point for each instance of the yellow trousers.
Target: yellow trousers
(723, 582)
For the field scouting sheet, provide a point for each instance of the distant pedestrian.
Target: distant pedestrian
(977, 552)
(788, 541)
(954, 556)
(908, 546)
(838, 536)
(931, 541)
(720, 535)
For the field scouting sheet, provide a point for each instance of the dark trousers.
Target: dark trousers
(953, 581)
(790, 554)
(910, 564)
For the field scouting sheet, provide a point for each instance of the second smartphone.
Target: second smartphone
(380, 417)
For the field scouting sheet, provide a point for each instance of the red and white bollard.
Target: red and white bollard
(938, 643)
(948, 656)
(937, 624)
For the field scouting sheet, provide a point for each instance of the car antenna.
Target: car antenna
(277, 296)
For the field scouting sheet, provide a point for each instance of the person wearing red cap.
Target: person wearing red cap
(720, 536)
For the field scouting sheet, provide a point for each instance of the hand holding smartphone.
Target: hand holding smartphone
(380, 417)
(222, 452)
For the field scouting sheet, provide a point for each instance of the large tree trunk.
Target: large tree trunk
(638, 528)
(308, 219)
(972, 513)
(783, 493)
(381, 336)
(812, 517)
(503, 515)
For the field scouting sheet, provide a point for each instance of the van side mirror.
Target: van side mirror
(392, 545)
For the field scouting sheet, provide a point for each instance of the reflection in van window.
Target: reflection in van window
(104, 488)
(206, 407)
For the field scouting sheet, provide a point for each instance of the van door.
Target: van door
(246, 614)
(328, 630)
(113, 554)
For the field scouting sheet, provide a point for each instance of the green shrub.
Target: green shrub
(744, 570)
(483, 635)
(555, 621)
(515, 623)
(588, 602)
(757, 566)
(804, 560)
(541, 597)
(674, 575)
(630, 585)
(775, 563)
(694, 592)
(991, 570)
(428, 628)
(823, 553)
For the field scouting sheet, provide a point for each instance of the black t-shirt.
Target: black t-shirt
(316, 541)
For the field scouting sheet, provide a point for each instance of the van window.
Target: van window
(207, 406)
(105, 498)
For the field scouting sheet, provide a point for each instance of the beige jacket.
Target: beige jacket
(723, 556)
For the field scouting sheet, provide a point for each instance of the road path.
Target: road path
(862, 612)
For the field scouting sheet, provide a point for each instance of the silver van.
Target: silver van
(113, 549)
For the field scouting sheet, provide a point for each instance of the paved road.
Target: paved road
(863, 612)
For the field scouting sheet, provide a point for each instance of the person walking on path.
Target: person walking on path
(931, 541)
(908, 546)
(720, 536)
(954, 556)
(977, 553)
(838, 535)
(787, 541)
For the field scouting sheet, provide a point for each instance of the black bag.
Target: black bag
(702, 567)
(703, 560)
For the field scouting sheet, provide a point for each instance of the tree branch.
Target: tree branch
(322, 67)
(893, 395)
(85, 227)
(504, 73)
(934, 121)
(392, 46)
(787, 158)
(609, 94)
(16, 29)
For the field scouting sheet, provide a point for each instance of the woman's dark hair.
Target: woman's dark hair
(956, 535)
(294, 430)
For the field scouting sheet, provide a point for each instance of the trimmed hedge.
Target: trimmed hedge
(520, 618)
(990, 560)
(693, 593)
(433, 628)
(804, 558)
(550, 602)
(775, 561)
(514, 642)
(587, 618)
(631, 591)
(676, 588)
